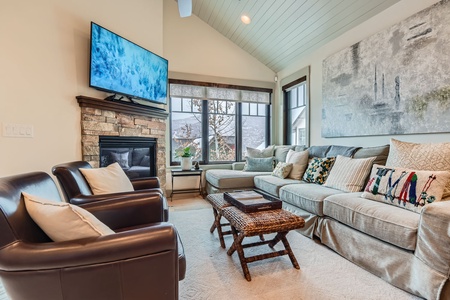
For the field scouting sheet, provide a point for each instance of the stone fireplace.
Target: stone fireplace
(103, 118)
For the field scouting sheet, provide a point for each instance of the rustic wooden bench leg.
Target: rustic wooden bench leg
(214, 224)
(233, 246)
(277, 238)
(289, 250)
(237, 244)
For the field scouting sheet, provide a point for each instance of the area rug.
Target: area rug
(324, 275)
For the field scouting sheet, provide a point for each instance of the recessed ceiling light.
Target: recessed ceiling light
(245, 19)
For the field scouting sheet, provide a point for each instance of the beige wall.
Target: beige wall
(192, 46)
(44, 65)
(393, 15)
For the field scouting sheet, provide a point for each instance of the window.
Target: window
(218, 123)
(296, 113)
(186, 125)
(254, 119)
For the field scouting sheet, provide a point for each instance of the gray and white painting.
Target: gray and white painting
(394, 82)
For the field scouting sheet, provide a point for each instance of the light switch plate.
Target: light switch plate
(18, 130)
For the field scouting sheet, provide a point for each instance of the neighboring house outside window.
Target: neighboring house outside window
(218, 123)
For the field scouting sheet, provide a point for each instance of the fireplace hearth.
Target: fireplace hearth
(135, 155)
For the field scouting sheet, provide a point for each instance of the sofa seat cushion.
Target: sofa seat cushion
(272, 184)
(226, 179)
(307, 196)
(396, 226)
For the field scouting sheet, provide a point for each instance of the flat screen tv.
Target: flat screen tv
(121, 67)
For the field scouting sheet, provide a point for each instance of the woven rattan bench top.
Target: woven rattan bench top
(277, 220)
(217, 201)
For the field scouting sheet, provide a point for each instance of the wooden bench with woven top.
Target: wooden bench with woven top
(244, 225)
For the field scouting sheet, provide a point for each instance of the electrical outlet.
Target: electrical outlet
(18, 130)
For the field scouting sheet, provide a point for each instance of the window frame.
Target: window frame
(238, 116)
(287, 140)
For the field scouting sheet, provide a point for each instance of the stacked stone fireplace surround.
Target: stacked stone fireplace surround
(101, 117)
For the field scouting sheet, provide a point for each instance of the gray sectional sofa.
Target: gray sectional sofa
(410, 250)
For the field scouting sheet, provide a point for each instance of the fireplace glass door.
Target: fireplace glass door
(136, 155)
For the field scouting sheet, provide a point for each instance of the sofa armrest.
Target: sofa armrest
(146, 183)
(156, 239)
(134, 210)
(85, 199)
(239, 166)
(433, 238)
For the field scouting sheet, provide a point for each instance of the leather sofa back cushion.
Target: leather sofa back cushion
(63, 221)
(111, 179)
(406, 188)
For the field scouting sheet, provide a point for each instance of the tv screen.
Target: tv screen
(122, 67)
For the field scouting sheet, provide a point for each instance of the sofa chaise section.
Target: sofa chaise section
(221, 180)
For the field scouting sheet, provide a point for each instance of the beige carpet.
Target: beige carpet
(212, 274)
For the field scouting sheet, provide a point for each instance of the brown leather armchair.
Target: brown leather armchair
(76, 189)
(143, 260)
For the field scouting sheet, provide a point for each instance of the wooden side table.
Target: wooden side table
(184, 173)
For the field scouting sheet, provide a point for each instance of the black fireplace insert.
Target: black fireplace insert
(136, 155)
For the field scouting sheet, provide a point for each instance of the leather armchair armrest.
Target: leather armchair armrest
(146, 183)
(133, 211)
(22, 256)
(84, 199)
(433, 237)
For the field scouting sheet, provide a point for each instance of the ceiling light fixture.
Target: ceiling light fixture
(245, 19)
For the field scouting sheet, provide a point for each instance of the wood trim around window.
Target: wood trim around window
(221, 85)
(293, 83)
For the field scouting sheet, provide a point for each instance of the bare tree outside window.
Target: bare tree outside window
(211, 128)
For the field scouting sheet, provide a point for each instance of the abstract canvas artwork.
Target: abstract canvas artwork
(394, 82)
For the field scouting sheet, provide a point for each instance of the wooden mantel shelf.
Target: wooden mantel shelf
(124, 107)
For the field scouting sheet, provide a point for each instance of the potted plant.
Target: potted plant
(186, 156)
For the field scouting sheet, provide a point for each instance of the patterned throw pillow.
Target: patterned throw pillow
(318, 169)
(427, 156)
(259, 164)
(282, 170)
(299, 162)
(405, 188)
(348, 174)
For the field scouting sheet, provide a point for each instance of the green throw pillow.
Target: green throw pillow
(259, 164)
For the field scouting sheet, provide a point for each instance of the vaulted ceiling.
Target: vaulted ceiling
(282, 31)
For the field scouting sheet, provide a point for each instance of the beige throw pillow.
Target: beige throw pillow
(426, 156)
(256, 153)
(299, 161)
(282, 170)
(406, 188)
(111, 179)
(349, 174)
(63, 221)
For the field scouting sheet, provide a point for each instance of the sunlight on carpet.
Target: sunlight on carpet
(212, 274)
